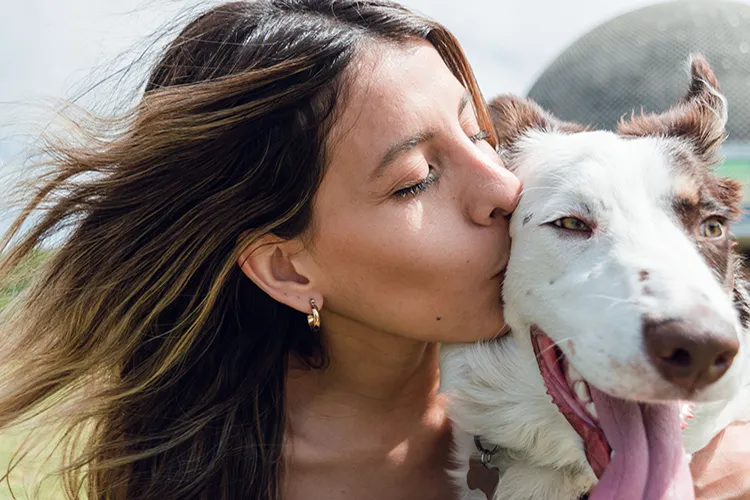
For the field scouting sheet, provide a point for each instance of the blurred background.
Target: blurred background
(589, 61)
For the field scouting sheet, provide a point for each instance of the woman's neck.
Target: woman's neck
(369, 422)
(372, 372)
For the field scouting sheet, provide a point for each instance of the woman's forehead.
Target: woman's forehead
(393, 90)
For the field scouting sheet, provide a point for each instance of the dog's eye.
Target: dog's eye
(572, 224)
(712, 228)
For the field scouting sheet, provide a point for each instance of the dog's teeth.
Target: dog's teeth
(573, 375)
(582, 391)
(591, 409)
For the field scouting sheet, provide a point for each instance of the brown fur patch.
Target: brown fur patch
(697, 125)
(686, 190)
(513, 116)
(715, 197)
(729, 193)
(698, 118)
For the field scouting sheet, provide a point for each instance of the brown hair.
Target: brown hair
(172, 363)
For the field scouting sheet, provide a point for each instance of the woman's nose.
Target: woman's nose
(495, 194)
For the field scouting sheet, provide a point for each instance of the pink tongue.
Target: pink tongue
(649, 462)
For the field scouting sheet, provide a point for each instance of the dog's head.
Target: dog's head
(621, 250)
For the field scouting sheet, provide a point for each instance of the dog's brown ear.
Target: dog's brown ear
(731, 193)
(700, 117)
(513, 116)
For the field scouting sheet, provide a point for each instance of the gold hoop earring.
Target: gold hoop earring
(313, 319)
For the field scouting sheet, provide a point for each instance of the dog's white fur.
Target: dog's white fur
(588, 296)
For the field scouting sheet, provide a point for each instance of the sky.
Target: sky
(51, 49)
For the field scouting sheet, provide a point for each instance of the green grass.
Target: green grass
(27, 476)
(738, 170)
(21, 276)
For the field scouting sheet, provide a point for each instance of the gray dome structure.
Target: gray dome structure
(638, 60)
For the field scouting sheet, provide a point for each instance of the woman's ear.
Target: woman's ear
(270, 263)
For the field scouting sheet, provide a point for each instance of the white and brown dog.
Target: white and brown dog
(626, 301)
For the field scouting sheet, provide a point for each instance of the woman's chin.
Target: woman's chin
(484, 332)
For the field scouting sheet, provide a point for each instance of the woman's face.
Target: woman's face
(410, 230)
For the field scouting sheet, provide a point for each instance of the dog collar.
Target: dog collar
(485, 455)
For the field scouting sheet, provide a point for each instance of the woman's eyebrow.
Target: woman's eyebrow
(412, 142)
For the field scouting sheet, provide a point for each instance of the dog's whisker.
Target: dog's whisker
(536, 188)
(614, 301)
(556, 344)
(609, 297)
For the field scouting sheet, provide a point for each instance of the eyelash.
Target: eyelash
(423, 185)
(419, 187)
(480, 136)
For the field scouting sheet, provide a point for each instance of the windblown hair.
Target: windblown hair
(164, 362)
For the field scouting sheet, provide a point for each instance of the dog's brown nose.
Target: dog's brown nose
(688, 357)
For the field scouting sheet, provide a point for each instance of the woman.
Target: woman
(261, 259)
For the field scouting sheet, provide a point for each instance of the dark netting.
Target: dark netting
(639, 60)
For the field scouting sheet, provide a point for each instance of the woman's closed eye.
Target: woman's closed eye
(419, 187)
